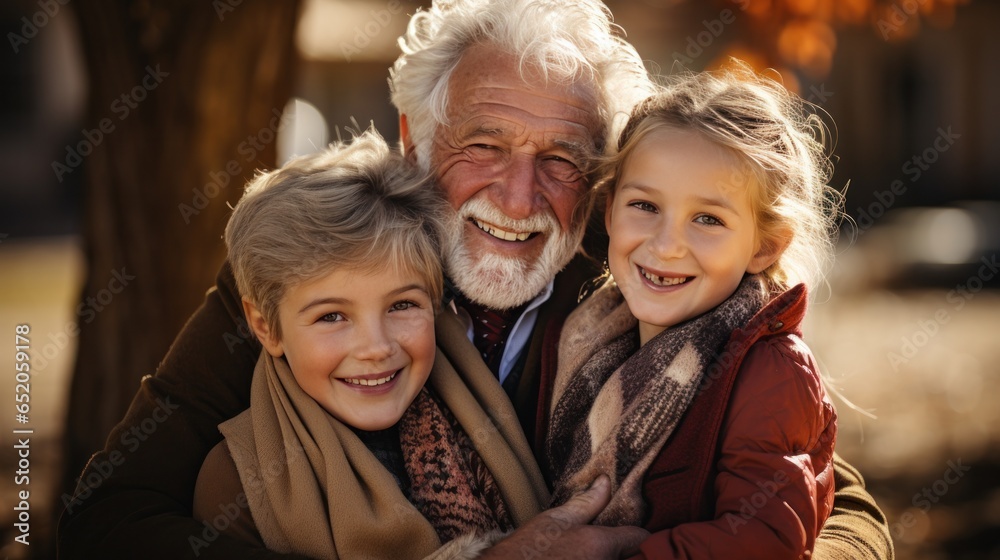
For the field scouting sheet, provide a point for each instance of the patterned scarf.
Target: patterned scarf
(315, 489)
(615, 403)
(449, 483)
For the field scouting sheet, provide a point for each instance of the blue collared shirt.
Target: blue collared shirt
(520, 334)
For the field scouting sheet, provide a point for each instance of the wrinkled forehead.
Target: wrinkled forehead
(488, 90)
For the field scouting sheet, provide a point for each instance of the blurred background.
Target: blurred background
(128, 127)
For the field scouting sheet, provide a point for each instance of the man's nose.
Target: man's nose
(517, 193)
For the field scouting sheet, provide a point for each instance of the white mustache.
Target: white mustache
(500, 281)
(486, 211)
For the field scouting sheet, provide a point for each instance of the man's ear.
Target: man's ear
(768, 252)
(404, 136)
(260, 328)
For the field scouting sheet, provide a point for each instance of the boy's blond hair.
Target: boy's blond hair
(357, 206)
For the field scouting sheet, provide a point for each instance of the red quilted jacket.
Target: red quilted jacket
(749, 471)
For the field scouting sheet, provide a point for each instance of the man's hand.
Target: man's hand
(562, 532)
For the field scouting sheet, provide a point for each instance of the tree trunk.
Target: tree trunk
(184, 99)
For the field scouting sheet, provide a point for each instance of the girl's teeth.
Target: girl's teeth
(663, 281)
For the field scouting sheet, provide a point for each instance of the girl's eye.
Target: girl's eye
(402, 305)
(643, 205)
(332, 318)
(709, 220)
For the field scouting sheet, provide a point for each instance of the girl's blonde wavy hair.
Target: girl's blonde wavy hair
(781, 141)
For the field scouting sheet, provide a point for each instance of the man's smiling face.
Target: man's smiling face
(511, 162)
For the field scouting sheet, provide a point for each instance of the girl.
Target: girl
(344, 452)
(719, 217)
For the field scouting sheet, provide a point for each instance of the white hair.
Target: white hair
(565, 41)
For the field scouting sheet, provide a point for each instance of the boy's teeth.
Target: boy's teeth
(499, 233)
(370, 382)
(663, 281)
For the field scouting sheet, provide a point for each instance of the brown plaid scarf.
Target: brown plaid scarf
(615, 403)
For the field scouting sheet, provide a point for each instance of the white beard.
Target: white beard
(503, 282)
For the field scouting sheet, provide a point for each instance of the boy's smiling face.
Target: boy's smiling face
(359, 343)
(682, 229)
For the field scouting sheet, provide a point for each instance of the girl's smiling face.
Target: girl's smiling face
(682, 229)
(361, 344)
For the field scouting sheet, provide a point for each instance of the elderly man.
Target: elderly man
(508, 103)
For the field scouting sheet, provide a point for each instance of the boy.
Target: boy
(343, 450)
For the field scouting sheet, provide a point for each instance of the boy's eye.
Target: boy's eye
(332, 317)
(709, 220)
(643, 205)
(402, 305)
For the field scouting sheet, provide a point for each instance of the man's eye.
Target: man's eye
(709, 220)
(484, 153)
(332, 318)
(561, 169)
(483, 149)
(643, 205)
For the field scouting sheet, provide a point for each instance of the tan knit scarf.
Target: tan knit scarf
(314, 488)
(615, 403)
